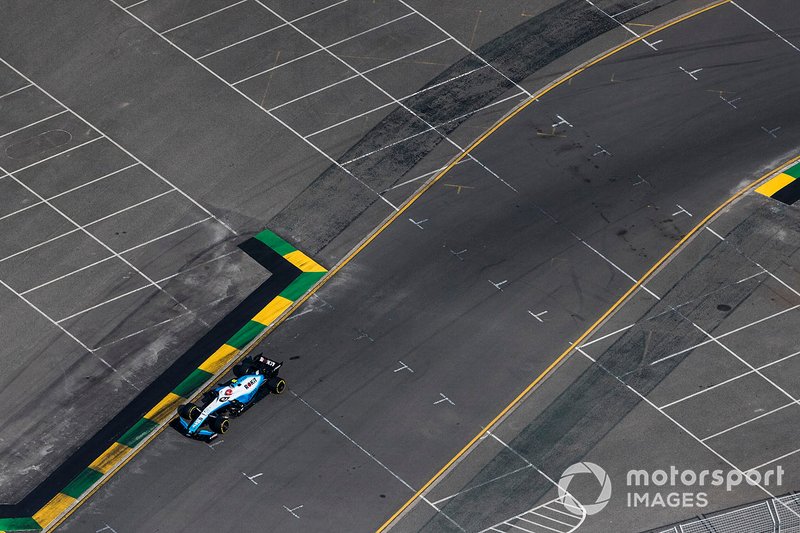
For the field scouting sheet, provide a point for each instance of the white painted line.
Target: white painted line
(67, 191)
(682, 428)
(765, 26)
(90, 141)
(33, 123)
(637, 6)
(698, 345)
(270, 30)
(720, 237)
(432, 172)
(537, 524)
(762, 415)
(67, 333)
(426, 130)
(272, 115)
(784, 456)
(320, 47)
(620, 23)
(115, 143)
(747, 364)
(465, 47)
(204, 16)
(479, 485)
(729, 380)
(354, 76)
(610, 262)
(779, 280)
(620, 330)
(68, 274)
(29, 248)
(137, 3)
(9, 93)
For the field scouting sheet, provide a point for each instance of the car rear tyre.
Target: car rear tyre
(220, 425)
(189, 411)
(276, 385)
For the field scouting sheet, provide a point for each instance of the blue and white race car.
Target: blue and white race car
(256, 377)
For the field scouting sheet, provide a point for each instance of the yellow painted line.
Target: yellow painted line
(273, 310)
(53, 508)
(163, 408)
(291, 306)
(303, 262)
(110, 457)
(218, 359)
(775, 184)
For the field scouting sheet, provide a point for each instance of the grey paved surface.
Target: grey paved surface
(193, 157)
(364, 432)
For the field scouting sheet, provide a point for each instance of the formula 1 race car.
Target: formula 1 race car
(256, 377)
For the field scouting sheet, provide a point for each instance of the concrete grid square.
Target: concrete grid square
(32, 227)
(10, 81)
(223, 29)
(389, 42)
(728, 405)
(57, 258)
(767, 341)
(332, 106)
(256, 56)
(165, 14)
(410, 75)
(13, 197)
(761, 440)
(75, 168)
(110, 195)
(295, 80)
(350, 18)
(73, 294)
(49, 138)
(23, 108)
(148, 221)
(699, 369)
(291, 9)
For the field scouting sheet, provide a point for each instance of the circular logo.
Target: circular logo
(573, 505)
(228, 392)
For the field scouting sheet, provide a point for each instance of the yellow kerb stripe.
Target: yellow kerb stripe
(219, 359)
(53, 508)
(110, 457)
(303, 262)
(273, 310)
(164, 408)
(775, 184)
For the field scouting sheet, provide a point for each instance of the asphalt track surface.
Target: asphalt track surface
(431, 330)
(131, 258)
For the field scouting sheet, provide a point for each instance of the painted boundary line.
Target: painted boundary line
(785, 187)
(158, 418)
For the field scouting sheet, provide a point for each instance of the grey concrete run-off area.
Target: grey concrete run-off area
(143, 141)
(428, 333)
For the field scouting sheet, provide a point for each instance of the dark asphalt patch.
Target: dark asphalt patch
(518, 53)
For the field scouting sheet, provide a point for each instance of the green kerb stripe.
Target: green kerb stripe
(275, 242)
(246, 334)
(301, 284)
(19, 524)
(82, 482)
(139, 431)
(192, 382)
(793, 171)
